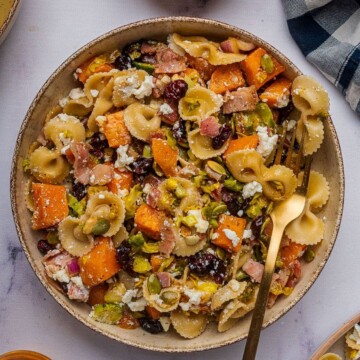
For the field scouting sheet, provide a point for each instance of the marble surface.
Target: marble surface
(45, 34)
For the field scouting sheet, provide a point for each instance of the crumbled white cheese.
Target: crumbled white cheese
(94, 92)
(122, 193)
(166, 109)
(64, 117)
(101, 196)
(194, 298)
(100, 120)
(234, 285)
(145, 89)
(64, 149)
(240, 213)
(136, 88)
(78, 282)
(122, 157)
(76, 93)
(248, 234)
(283, 100)
(61, 276)
(63, 101)
(215, 236)
(147, 189)
(232, 236)
(266, 142)
(127, 297)
(251, 188)
(138, 305)
(201, 224)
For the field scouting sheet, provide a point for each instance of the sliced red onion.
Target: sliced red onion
(73, 267)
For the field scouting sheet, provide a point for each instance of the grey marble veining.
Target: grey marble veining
(45, 34)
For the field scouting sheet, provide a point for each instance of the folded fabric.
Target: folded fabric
(328, 34)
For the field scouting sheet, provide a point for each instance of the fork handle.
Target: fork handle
(263, 294)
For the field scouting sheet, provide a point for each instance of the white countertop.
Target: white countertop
(45, 34)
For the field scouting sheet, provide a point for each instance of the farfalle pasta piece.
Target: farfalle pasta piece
(141, 120)
(232, 290)
(190, 325)
(107, 206)
(278, 182)
(311, 99)
(60, 130)
(102, 105)
(201, 145)
(198, 46)
(48, 166)
(308, 229)
(199, 103)
(72, 239)
(184, 247)
(235, 310)
(130, 85)
(120, 236)
(167, 300)
(314, 134)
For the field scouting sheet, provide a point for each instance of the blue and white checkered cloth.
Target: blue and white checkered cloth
(328, 34)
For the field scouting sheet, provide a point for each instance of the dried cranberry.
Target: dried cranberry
(231, 199)
(142, 165)
(64, 287)
(98, 145)
(204, 263)
(256, 225)
(125, 258)
(44, 247)
(224, 133)
(175, 90)
(123, 62)
(150, 325)
(179, 132)
(78, 190)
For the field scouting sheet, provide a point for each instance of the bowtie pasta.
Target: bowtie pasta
(152, 182)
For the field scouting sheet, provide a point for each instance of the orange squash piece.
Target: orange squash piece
(152, 312)
(149, 221)
(226, 77)
(122, 180)
(100, 263)
(92, 66)
(254, 73)
(165, 156)
(50, 205)
(156, 261)
(277, 93)
(291, 252)
(233, 223)
(115, 130)
(242, 143)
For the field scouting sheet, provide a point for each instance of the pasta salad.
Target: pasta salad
(152, 182)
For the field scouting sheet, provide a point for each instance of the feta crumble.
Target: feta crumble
(248, 234)
(123, 158)
(266, 142)
(166, 109)
(240, 213)
(76, 94)
(232, 236)
(251, 188)
(201, 224)
(61, 276)
(94, 92)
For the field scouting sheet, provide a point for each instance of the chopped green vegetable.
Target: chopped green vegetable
(219, 209)
(130, 201)
(26, 164)
(309, 255)
(52, 237)
(147, 152)
(115, 293)
(101, 227)
(150, 247)
(149, 68)
(267, 63)
(77, 208)
(166, 263)
(107, 313)
(241, 275)
(169, 297)
(153, 284)
(137, 240)
(189, 220)
(180, 192)
(265, 114)
(233, 185)
(248, 293)
(141, 264)
(209, 188)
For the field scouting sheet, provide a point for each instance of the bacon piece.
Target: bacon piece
(164, 278)
(169, 62)
(101, 174)
(168, 237)
(254, 269)
(147, 48)
(153, 197)
(243, 99)
(77, 293)
(55, 260)
(173, 117)
(210, 127)
(81, 164)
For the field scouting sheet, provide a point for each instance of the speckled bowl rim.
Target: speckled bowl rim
(10, 20)
(15, 160)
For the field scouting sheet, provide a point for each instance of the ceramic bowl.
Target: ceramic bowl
(328, 160)
(9, 10)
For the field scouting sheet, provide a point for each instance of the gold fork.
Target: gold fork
(283, 213)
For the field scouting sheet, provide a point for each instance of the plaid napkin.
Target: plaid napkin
(328, 34)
